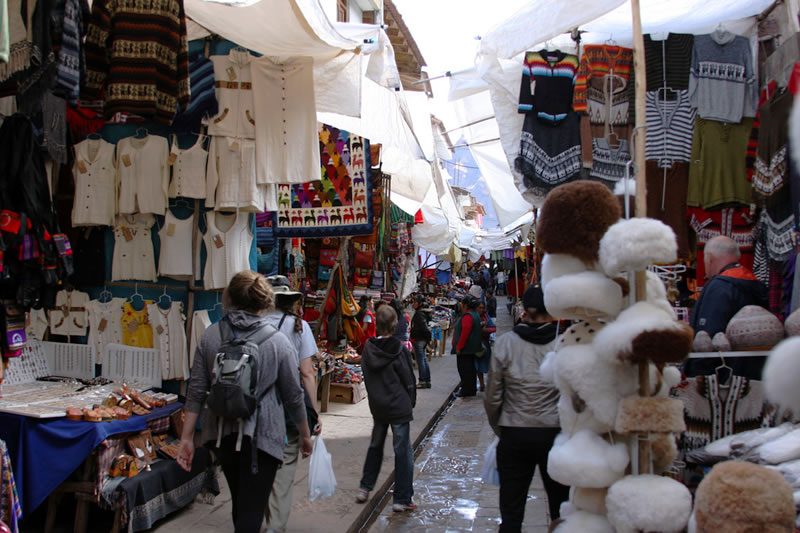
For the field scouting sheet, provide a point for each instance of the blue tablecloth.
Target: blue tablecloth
(44, 452)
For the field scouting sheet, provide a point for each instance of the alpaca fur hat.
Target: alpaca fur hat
(638, 414)
(649, 503)
(782, 374)
(557, 265)
(739, 497)
(574, 218)
(584, 295)
(636, 243)
(587, 460)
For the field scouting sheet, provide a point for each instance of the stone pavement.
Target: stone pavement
(448, 489)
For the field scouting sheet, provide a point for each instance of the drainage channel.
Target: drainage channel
(387, 494)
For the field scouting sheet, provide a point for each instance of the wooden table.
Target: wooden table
(324, 388)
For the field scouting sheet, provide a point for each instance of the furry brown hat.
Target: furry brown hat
(574, 217)
(739, 497)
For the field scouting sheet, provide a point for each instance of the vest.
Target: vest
(474, 341)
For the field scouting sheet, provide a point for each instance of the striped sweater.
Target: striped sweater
(547, 82)
(597, 63)
(670, 127)
(137, 52)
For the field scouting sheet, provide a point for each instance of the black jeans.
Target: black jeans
(466, 371)
(249, 492)
(519, 452)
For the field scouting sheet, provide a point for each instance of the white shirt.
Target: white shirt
(234, 90)
(104, 324)
(231, 178)
(143, 174)
(175, 258)
(133, 249)
(228, 240)
(188, 170)
(304, 343)
(501, 277)
(169, 337)
(94, 169)
(200, 322)
(37, 324)
(69, 316)
(287, 142)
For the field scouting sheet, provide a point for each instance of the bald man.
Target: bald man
(730, 287)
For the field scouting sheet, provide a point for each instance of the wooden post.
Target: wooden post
(643, 466)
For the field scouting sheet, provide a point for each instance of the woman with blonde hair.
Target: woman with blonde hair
(250, 460)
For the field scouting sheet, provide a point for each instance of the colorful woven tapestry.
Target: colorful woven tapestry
(337, 204)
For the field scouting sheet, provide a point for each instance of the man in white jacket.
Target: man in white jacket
(522, 410)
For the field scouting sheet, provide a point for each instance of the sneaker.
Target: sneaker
(427, 384)
(421, 385)
(362, 496)
(403, 507)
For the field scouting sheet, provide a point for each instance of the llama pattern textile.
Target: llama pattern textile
(550, 154)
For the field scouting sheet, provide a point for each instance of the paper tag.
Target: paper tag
(218, 241)
(82, 167)
(172, 158)
(126, 232)
(231, 73)
(126, 160)
(101, 327)
(170, 229)
(235, 146)
(159, 330)
(133, 326)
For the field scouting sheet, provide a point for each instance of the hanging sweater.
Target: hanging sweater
(547, 82)
(607, 69)
(138, 54)
(723, 84)
(668, 61)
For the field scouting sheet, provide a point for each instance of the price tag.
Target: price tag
(126, 160)
(171, 229)
(160, 330)
(231, 73)
(82, 167)
(126, 232)
(218, 241)
(172, 158)
(101, 327)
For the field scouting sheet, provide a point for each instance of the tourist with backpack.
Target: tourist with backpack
(241, 366)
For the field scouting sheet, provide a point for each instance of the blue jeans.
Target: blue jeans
(422, 361)
(403, 460)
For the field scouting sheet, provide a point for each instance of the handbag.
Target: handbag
(376, 282)
(363, 259)
(361, 278)
(327, 257)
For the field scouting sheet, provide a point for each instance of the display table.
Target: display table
(44, 452)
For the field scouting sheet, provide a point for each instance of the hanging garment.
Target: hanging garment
(236, 117)
(69, 317)
(203, 102)
(200, 322)
(548, 79)
(133, 249)
(38, 324)
(175, 257)
(169, 336)
(105, 326)
(731, 222)
(779, 65)
(668, 61)
(717, 173)
(228, 240)
(609, 162)
(20, 39)
(10, 508)
(550, 154)
(670, 125)
(666, 200)
(287, 139)
(143, 174)
(770, 176)
(136, 328)
(70, 57)
(137, 57)
(722, 83)
(94, 170)
(188, 170)
(231, 177)
(773, 242)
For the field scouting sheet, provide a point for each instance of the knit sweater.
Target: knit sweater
(723, 84)
(547, 82)
(137, 52)
(598, 63)
(668, 61)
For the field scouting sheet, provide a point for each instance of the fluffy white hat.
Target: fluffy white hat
(556, 265)
(586, 460)
(634, 244)
(584, 295)
(648, 503)
(583, 522)
(782, 374)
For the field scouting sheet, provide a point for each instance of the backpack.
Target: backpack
(234, 379)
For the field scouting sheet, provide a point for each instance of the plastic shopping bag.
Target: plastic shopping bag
(489, 473)
(321, 479)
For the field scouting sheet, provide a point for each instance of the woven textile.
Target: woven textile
(10, 509)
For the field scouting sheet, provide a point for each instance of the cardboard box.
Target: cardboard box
(347, 392)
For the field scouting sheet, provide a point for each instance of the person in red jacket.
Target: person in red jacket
(467, 341)
(366, 317)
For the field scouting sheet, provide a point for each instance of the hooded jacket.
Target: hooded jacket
(724, 295)
(389, 377)
(419, 326)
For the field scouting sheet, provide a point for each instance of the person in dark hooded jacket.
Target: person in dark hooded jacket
(732, 287)
(392, 394)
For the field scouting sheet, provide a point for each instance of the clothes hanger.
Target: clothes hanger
(143, 131)
(136, 300)
(165, 299)
(94, 136)
(724, 374)
(105, 296)
(610, 41)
